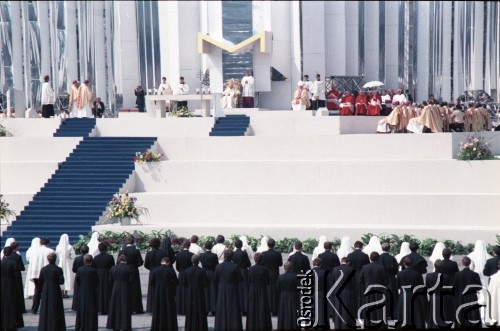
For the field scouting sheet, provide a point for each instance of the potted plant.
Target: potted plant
(3, 131)
(5, 211)
(123, 208)
(474, 147)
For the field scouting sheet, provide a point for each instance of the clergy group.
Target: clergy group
(353, 286)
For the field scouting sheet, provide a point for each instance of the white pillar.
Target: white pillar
(126, 53)
(71, 42)
(99, 58)
(423, 34)
(17, 92)
(477, 47)
(372, 40)
(351, 24)
(458, 51)
(261, 18)
(337, 46)
(446, 57)
(45, 48)
(296, 51)
(313, 38)
(211, 24)
(392, 44)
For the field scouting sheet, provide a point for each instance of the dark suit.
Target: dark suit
(209, 261)
(300, 262)
(491, 266)
(411, 305)
(103, 264)
(391, 267)
(358, 259)
(98, 112)
(183, 261)
(134, 261)
(151, 262)
(240, 258)
(462, 280)
(329, 260)
(418, 263)
(373, 274)
(273, 261)
(449, 268)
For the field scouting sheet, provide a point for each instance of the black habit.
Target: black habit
(240, 258)
(51, 304)
(357, 259)
(196, 315)
(134, 261)
(300, 262)
(164, 281)
(374, 274)
(77, 263)
(228, 314)
(151, 261)
(418, 263)
(11, 314)
(449, 268)
(103, 264)
(19, 278)
(273, 261)
(491, 266)
(469, 315)
(209, 261)
(120, 304)
(183, 261)
(343, 279)
(391, 268)
(329, 260)
(321, 306)
(88, 288)
(441, 307)
(411, 310)
(259, 314)
(289, 301)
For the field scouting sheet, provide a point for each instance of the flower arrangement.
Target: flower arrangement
(147, 156)
(5, 211)
(124, 206)
(474, 148)
(182, 112)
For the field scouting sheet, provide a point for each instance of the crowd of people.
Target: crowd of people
(224, 283)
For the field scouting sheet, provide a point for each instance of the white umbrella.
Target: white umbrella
(374, 83)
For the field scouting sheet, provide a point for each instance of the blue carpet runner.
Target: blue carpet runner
(231, 125)
(77, 194)
(75, 127)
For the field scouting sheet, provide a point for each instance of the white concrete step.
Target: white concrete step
(421, 176)
(17, 177)
(36, 149)
(259, 209)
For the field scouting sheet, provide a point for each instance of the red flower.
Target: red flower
(136, 158)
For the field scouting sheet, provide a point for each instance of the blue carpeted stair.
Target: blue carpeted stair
(77, 194)
(231, 125)
(75, 127)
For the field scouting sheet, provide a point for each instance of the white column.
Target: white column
(26, 50)
(313, 38)
(99, 58)
(337, 48)
(458, 51)
(71, 42)
(126, 53)
(261, 17)
(446, 59)
(45, 48)
(211, 24)
(477, 47)
(423, 34)
(296, 51)
(352, 42)
(372, 40)
(392, 44)
(17, 92)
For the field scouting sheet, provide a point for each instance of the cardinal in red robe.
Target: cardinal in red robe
(374, 105)
(347, 105)
(361, 104)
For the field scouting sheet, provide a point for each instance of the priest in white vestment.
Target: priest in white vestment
(84, 100)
